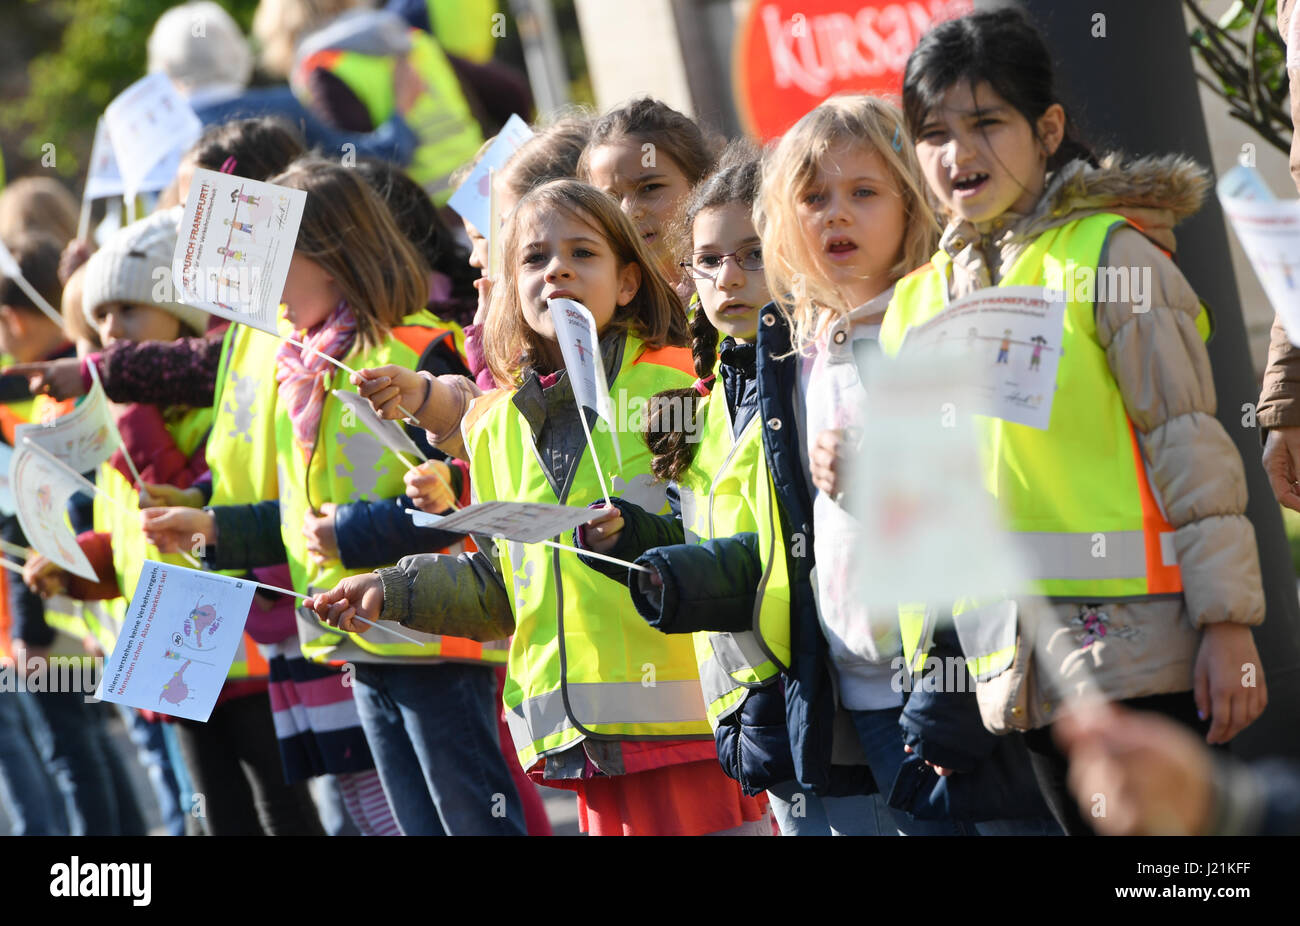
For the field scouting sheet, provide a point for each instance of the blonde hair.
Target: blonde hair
(278, 26)
(348, 230)
(654, 314)
(796, 274)
(32, 204)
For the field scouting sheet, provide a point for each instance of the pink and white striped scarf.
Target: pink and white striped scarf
(303, 379)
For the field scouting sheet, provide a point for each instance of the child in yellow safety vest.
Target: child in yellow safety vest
(1130, 502)
(356, 292)
(599, 702)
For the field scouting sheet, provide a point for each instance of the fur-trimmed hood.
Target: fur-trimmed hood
(1171, 184)
(1154, 193)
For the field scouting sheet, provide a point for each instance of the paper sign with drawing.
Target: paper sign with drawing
(83, 438)
(104, 179)
(148, 122)
(918, 493)
(1269, 232)
(1012, 335)
(471, 198)
(526, 522)
(41, 491)
(575, 330)
(181, 633)
(236, 241)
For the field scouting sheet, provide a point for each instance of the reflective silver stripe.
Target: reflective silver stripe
(714, 681)
(604, 703)
(736, 652)
(1093, 555)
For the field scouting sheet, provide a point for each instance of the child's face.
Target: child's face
(310, 293)
(853, 216)
(134, 322)
(730, 295)
(649, 195)
(980, 155)
(562, 256)
(478, 253)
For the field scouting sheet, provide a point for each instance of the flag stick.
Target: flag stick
(608, 559)
(351, 372)
(17, 552)
(591, 444)
(130, 464)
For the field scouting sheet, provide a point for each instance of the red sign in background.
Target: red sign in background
(792, 54)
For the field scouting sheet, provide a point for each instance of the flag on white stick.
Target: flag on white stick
(83, 438)
(41, 491)
(148, 122)
(472, 198)
(178, 642)
(1269, 231)
(391, 434)
(235, 245)
(575, 330)
(526, 522)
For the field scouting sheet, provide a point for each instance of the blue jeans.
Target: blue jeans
(76, 748)
(802, 813)
(151, 750)
(433, 734)
(34, 804)
(882, 741)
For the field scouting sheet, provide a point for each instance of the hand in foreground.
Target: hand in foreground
(355, 596)
(429, 485)
(322, 541)
(59, 379)
(1136, 774)
(1228, 681)
(44, 577)
(1282, 464)
(162, 495)
(387, 387)
(602, 533)
(177, 530)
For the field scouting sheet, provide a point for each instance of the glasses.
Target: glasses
(706, 265)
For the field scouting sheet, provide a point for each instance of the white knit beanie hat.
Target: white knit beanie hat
(126, 270)
(199, 45)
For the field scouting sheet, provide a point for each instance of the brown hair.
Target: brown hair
(552, 154)
(38, 204)
(37, 256)
(795, 274)
(735, 181)
(654, 314)
(347, 229)
(649, 120)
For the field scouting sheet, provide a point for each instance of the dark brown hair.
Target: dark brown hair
(37, 255)
(552, 154)
(349, 232)
(654, 314)
(650, 120)
(735, 181)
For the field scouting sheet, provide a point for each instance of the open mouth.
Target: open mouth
(970, 182)
(840, 246)
(562, 294)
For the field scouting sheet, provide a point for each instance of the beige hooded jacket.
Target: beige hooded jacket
(1159, 361)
